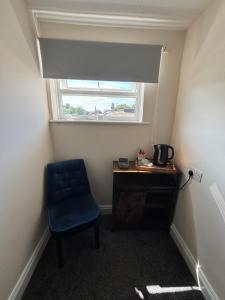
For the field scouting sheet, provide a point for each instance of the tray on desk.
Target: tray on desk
(169, 168)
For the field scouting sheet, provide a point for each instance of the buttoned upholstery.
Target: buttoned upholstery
(70, 203)
(66, 180)
(71, 206)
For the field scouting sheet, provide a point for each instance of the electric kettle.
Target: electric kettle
(161, 154)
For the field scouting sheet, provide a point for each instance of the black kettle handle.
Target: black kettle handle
(172, 152)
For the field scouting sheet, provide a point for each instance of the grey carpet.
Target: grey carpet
(125, 260)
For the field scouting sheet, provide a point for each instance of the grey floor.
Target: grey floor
(126, 260)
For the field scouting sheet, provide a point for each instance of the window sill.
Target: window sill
(101, 122)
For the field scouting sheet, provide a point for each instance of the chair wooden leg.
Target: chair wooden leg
(96, 230)
(59, 252)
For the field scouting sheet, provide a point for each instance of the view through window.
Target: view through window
(99, 100)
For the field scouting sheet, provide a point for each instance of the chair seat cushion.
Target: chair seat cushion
(72, 213)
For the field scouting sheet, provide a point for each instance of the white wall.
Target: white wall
(199, 141)
(25, 145)
(99, 144)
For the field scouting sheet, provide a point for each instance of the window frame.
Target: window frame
(57, 107)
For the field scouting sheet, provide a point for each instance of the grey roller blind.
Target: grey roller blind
(72, 59)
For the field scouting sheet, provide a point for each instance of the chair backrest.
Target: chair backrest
(66, 179)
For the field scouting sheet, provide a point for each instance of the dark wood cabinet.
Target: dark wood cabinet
(144, 199)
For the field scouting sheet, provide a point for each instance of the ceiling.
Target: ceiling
(185, 10)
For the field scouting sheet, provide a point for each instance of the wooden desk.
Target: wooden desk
(144, 199)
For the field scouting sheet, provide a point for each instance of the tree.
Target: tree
(123, 106)
(71, 110)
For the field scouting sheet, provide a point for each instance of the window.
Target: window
(91, 100)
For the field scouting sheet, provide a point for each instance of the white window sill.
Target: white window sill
(100, 122)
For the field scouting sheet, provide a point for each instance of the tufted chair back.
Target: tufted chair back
(65, 180)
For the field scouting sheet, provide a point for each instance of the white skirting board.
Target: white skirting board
(25, 276)
(206, 288)
(106, 209)
(27, 272)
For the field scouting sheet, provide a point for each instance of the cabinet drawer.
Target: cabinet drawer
(141, 181)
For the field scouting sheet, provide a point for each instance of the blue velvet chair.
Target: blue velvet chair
(71, 207)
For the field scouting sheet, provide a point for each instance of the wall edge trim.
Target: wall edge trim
(206, 288)
(24, 278)
(106, 209)
(109, 20)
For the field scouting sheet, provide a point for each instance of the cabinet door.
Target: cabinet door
(129, 209)
(157, 212)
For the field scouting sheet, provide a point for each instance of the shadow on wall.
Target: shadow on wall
(27, 29)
